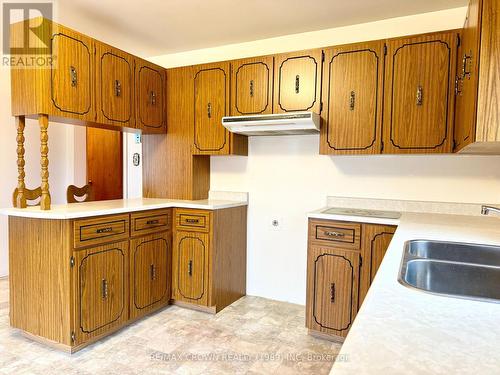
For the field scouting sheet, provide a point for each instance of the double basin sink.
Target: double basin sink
(452, 269)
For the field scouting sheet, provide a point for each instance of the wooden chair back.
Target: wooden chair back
(31, 196)
(73, 192)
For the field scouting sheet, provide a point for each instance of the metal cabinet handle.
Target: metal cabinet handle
(104, 289)
(458, 86)
(193, 221)
(334, 234)
(152, 272)
(352, 100)
(251, 88)
(152, 97)
(73, 76)
(466, 61)
(297, 84)
(420, 95)
(152, 222)
(190, 268)
(332, 292)
(118, 88)
(104, 230)
(209, 110)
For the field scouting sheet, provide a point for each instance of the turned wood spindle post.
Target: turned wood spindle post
(20, 199)
(43, 120)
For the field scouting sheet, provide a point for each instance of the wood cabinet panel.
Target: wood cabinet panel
(115, 86)
(192, 220)
(419, 102)
(252, 86)
(148, 222)
(101, 284)
(150, 276)
(98, 230)
(352, 96)
(335, 234)
(150, 92)
(297, 81)
(333, 280)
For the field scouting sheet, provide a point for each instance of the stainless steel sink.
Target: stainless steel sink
(452, 269)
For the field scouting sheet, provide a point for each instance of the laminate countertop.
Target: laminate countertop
(109, 207)
(405, 331)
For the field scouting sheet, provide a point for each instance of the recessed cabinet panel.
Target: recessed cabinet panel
(211, 88)
(419, 97)
(352, 96)
(252, 84)
(297, 82)
(150, 91)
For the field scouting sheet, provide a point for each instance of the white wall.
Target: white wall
(286, 177)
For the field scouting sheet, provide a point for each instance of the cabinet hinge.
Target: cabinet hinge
(454, 145)
(360, 260)
(385, 49)
(72, 336)
(321, 107)
(381, 146)
(322, 56)
(459, 40)
(72, 261)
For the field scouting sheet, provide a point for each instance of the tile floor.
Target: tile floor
(252, 336)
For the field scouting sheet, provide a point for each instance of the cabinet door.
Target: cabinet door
(101, 290)
(467, 77)
(149, 273)
(297, 81)
(332, 290)
(72, 74)
(419, 100)
(211, 88)
(150, 91)
(252, 86)
(352, 95)
(191, 267)
(115, 86)
(376, 240)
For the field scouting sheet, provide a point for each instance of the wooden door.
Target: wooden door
(150, 264)
(297, 81)
(105, 163)
(252, 86)
(419, 100)
(101, 286)
(115, 86)
(150, 91)
(352, 96)
(191, 267)
(376, 240)
(211, 89)
(72, 74)
(332, 297)
(468, 77)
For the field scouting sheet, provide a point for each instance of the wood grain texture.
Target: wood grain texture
(423, 66)
(105, 163)
(147, 222)
(150, 273)
(75, 194)
(39, 277)
(252, 86)
(99, 230)
(19, 197)
(331, 233)
(353, 96)
(297, 81)
(375, 241)
(191, 219)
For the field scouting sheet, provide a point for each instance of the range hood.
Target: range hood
(278, 124)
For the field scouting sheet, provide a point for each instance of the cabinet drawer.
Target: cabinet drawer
(150, 222)
(337, 234)
(194, 220)
(100, 230)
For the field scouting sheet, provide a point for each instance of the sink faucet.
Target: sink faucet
(485, 210)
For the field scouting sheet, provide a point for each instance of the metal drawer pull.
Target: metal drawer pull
(251, 88)
(190, 268)
(209, 110)
(104, 230)
(152, 272)
(152, 97)
(192, 221)
(152, 222)
(332, 292)
(420, 95)
(73, 76)
(104, 289)
(352, 100)
(297, 84)
(118, 88)
(334, 234)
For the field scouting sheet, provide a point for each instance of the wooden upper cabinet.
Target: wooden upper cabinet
(115, 86)
(419, 100)
(352, 98)
(297, 81)
(150, 92)
(252, 86)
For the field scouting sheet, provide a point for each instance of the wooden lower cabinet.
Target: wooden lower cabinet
(339, 276)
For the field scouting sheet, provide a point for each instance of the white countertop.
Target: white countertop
(99, 208)
(404, 331)
(320, 214)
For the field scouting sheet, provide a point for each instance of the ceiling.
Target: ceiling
(155, 27)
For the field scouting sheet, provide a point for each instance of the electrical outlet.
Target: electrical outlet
(138, 139)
